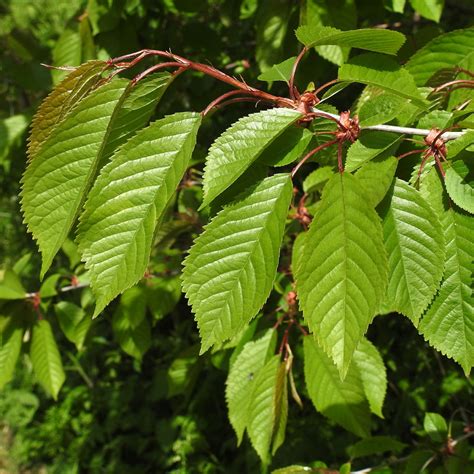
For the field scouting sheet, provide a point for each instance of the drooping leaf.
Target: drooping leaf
(45, 358)
(372, 372)
(341, 277)
(279, 72)
(460, 184)
(342, 401)
(443, 52)
(378, 40)
(415, 245)
(74, 322)
(376, 176)
(448, 325)
(370, 145)
(241, 378)
(231, 267)
(60, 102)
(116, 230)
(383, 72)
(10, 347)
(240, 145)
(430, 9)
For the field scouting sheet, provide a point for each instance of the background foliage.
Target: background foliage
(139, 399)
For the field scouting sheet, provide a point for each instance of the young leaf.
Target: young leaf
(378, 40)
(342, 401)
(241, 379)
(383, 72)
(460, 185)
(74, 322)
(415, 245)
(230, 269)
(448, 323)
(342, 274)
(430, 9)
(279, 72)
(436, 427)
(10, 347)
(130, 195)
(240, 145)
(60, 101)
(46, 359)
(372, 372)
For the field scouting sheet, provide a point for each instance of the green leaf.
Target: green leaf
(342, 401)
(381, 108)
(372, 373)
(48, 287)
(241, 379)
(11, 287)
(74, 322)
(342, 274)
(66, 52)
(443, 52)
(231, 267)
(448, 323)
(376, 178)
(11, 130)
(454, 147)
(129, 197)
(279, 72)
(383, 72)
(415, 245)
(280, 408)
(460, 184)
(182, 372)
(317, 178)
(375, 445)
(436, 427)
(378, 40)
(46, 359)
(55, 181)
(60, 101)
(430, 9)
(371, 145)
(240, 145)
(10, 346)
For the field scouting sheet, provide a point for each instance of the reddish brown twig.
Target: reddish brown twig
(294, 93)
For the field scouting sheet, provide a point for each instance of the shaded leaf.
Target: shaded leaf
(375, 445)
(74, 322)
(279, 72)
(430, 9)
(11, 287)
(460, 184)
(436, 427)
(10, 347)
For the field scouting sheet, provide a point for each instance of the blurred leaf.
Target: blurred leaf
(436, 427)
(74, 322)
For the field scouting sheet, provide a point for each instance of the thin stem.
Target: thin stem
(225, 96)
(324, 86)
(154, 68)
(291, 83)
(408, 153)
(458, 82)
(310, 154)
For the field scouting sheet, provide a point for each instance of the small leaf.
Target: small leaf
(378, 40)
(279, 72)
(46, 359)
(48, 287)
(66, 52)
(74, 322)
(342, 275)
(280, 408)
(436, 427)
(375, 445)
(415, 245)
(447, 325)
(241, 379)
(317, 178)
(460, 185)
(11, 287)
(240, 145)
(373, 375)
(342, 401)
(430, 9)
(116, 229)
(383, 72)
(231, 267)
(10, 347)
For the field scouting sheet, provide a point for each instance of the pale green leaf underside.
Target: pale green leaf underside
(448, 325)
(378, 40)
(55, 181)
(231, 267)
(46, 359)
(241, 379)
(10, 347)
(372, 372)
(116, 230)
(342, 401)
(342, 273)
(415, 246)
(460, 185)
(240, 145)
(383, 72)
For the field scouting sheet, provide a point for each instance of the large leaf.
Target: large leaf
(61, 100)
(415, 245)
(230, 269)
(342, 274)
(448, 325)
(240, 145)
(46, 359)
(116, 230)
(10, 347)
(443, 52)
(383, 72)
(372, 372)
(241, 379)
(341, 401)
(378, 40)
(460, 184)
